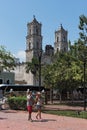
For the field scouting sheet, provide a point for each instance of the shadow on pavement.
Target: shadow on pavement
(44, 120)
(3, 118)
(9, 111)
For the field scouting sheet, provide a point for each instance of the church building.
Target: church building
(34, 48)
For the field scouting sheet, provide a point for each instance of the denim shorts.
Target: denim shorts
(38, 107)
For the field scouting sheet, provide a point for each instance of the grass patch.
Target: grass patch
(81, 114)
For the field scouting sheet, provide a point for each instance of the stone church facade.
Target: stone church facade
(34, 46)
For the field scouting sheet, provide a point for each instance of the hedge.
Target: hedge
(17, 103)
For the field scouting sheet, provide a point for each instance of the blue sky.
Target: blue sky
(15, 14)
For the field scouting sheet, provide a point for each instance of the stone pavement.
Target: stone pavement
(17, 120)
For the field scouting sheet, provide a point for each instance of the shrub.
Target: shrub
(17, 103)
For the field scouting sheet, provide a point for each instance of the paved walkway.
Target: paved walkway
(17, 120)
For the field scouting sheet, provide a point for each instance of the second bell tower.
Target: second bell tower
(61, 43)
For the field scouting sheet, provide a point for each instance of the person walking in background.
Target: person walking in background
(30, 103)
(39, 103)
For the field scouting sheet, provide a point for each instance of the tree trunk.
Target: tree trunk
(46, 102)
(60, 97)
(51, 95)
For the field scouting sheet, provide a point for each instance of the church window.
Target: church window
(29, 45)
(36, 30)
(30, 31)
(37, 46)
(64, 39)
(57, 49)
(57, 39)
(64, 49)
(1, 81)
(8, 81)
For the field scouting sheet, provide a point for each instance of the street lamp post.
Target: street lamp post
(84, 74)
(84, 87)
(39, 57)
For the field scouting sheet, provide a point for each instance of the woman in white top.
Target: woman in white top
(38, 105)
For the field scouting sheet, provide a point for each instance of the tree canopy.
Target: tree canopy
(66, 71)
(7, 60)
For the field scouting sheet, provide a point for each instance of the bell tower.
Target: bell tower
(61, 43)
(33, 39)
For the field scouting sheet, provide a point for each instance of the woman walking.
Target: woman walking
(38, 105)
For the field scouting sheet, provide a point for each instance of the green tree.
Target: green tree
(82, 51)
(49, 78)
(82, 42)
(66, 68)
(33, 67)
(83, 28)
(82, 45)
(7, 60)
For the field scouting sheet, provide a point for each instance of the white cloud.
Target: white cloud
(21, 56)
